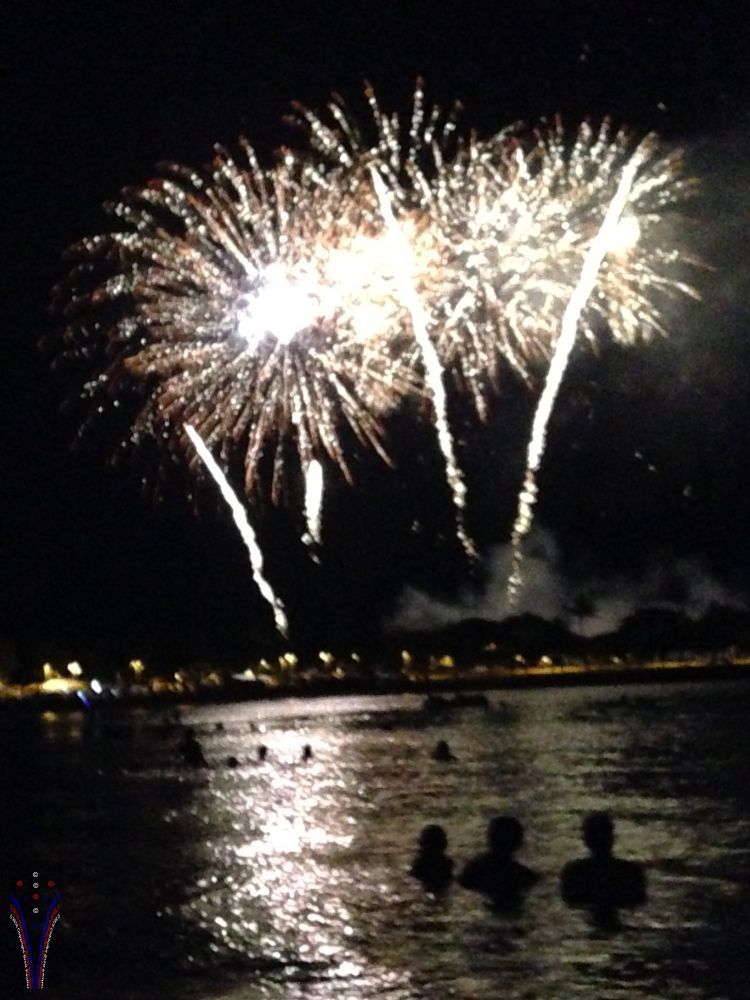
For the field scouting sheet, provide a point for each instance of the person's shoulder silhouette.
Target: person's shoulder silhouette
(602, 880)
(431, 865)
(495, 873)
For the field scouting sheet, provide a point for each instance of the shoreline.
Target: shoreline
(493, 679)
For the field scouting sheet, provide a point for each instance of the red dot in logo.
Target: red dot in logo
(35, 896)
(50, 884)
(19, 884)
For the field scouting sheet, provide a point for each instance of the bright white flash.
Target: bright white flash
(625, 235)
(279, 307)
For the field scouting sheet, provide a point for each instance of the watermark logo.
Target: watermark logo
(34, 910)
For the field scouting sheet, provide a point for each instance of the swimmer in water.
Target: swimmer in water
(495, 873)
(602, 882)
(431, 865)
(192, 752)
(442, 751)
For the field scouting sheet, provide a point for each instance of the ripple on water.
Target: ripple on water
(285, 878)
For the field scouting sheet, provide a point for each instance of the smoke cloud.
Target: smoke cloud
(597, 607)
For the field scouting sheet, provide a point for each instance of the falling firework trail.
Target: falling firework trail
(568, 329)
(404, 268)
(314, 485)
(248, 535)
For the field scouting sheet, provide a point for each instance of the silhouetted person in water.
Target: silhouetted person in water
(495, 874)
(232, 761)
(307, 752)
(262, 752)
(602, 882)
(431, 865)
(442, 751)
(191, 750)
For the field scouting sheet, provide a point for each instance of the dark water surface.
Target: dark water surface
(286, 879)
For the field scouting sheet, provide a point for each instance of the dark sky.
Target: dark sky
(649, 449)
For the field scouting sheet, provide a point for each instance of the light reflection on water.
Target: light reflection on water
(284, 878)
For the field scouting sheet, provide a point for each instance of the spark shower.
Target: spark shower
(258, 311)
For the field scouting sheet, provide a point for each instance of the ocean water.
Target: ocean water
(287, 879)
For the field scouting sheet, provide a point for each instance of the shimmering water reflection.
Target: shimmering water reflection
(286, 879)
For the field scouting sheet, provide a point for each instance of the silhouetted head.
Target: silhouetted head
(442, 751)
(599, 833)
(219, 727)
(262, 752)
(432, 839)
(232, 762)
(504, 835)
(307, 752)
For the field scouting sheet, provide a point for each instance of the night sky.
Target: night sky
(649, 449)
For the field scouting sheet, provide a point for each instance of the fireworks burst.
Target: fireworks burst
(268, 307)
(500, 229)
(518, 214)
(254, 304)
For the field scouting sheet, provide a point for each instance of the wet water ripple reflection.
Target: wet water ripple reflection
(285, 878)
